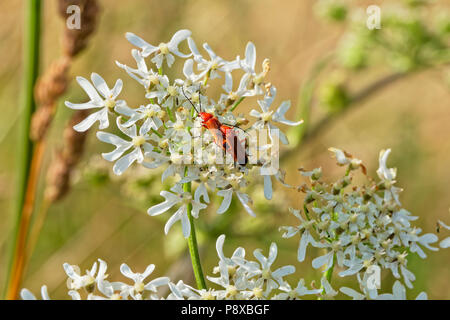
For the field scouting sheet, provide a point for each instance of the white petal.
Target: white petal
(126, 271)
(70, 271)
(255, 113)
(89, 89)
(352, 293)
(111, 139)
(170, 59)
(26, 294)
(74, 295)
(125, 110)
(304, 241)
(196, 207)
(219, 246)
(175, 41)
(422, 296)
(147, 126)
(82, 106)
(445, 243)
(201, 191)
(245, 200)
(227, 196)
(155, 283)
(129, 131)
(208, 49)
(148, 271)
(399, 291)
(174, 218)
(228, 86)
(101, 85)
(170, 200)
(444, 225)
(44, 293)
(278, 116)
(352, 270)
(326, 259)
(272, 253)
(194, 49)
(185, 224)
(101, 116)
(276, 133)
(268, 187)
(260, 257)
(147, 48)
(250, 55)
(282, 272)
(117, 89)
(408, 276)
(125, 162)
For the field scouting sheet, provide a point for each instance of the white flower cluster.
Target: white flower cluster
(196, 137)
(238, 279)
(93, 284)
(360, 228)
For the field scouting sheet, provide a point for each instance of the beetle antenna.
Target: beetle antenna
(199, 98)
(182, 89)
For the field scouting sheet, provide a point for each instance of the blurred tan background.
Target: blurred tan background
(411, 116)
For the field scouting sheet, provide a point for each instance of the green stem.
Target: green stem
(237, 103)
(157, 133)
(329, 273)
(25, 145)
(170, 114)
(193, 246)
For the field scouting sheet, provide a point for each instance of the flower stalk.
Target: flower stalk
(32, 40)
(193, 245)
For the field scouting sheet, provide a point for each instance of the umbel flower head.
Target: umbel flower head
(360, 227)
(196, 138)
(237, 277)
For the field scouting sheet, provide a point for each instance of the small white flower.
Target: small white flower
(171, 199)
(139, 286)
(77, 281)
(267, 117)
(233, 287)
(163, 50)
(240, 92)
(210, 68)
(107, 102)
(146, 77)
(274, 278)
(227, 195)
(306, 237)
(149, 114)
(387, 175)
(248, 66)
(138, 142)
(301, 290)
(233, 267)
